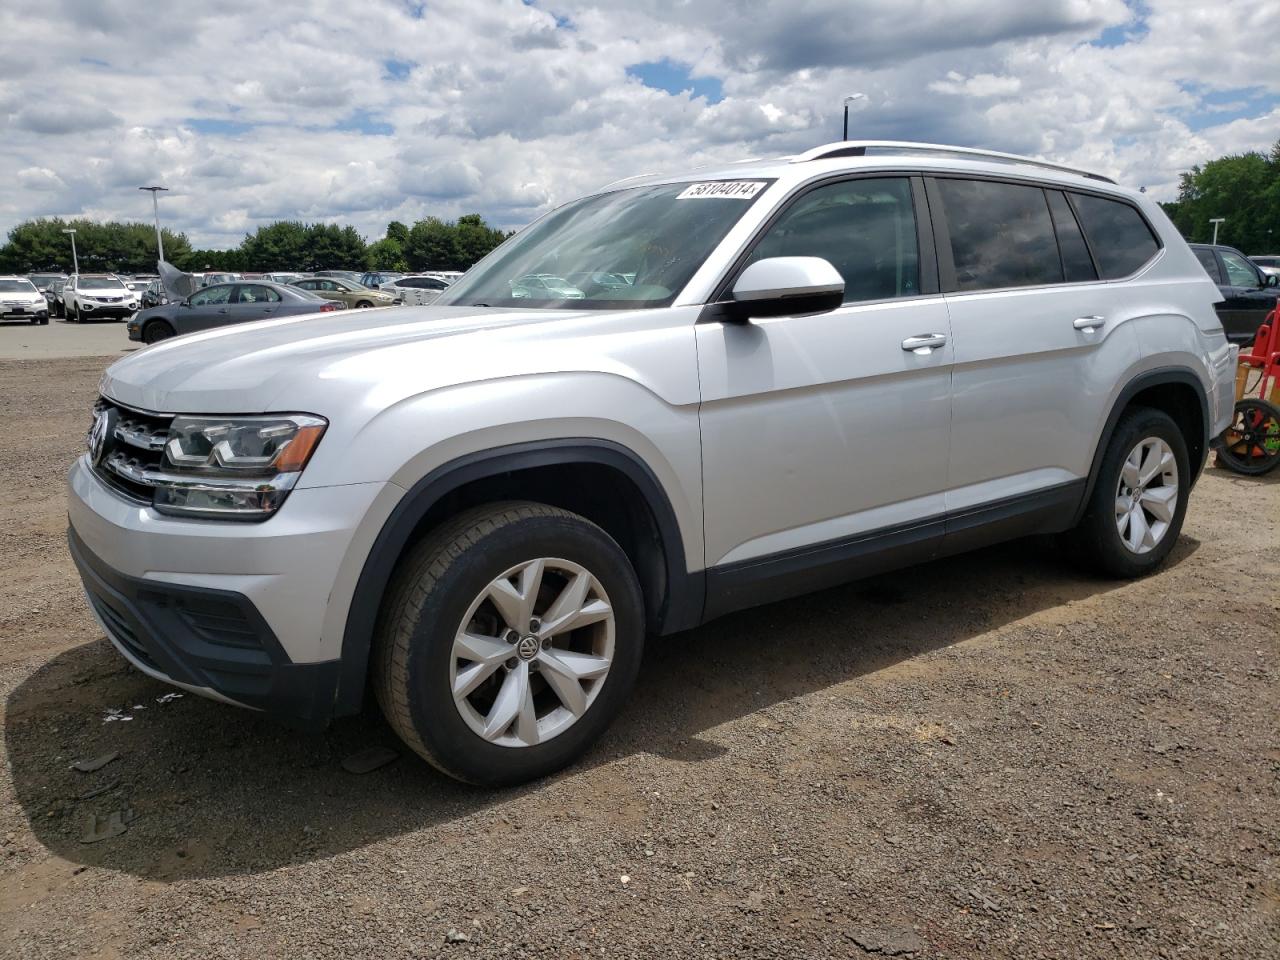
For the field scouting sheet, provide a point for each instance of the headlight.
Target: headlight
(229, 468)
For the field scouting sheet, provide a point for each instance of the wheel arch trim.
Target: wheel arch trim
(685, 590)
(1161, 376)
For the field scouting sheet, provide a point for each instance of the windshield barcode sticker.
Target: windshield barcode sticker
(722, 189)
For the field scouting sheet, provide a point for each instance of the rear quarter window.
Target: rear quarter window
(1118, 235)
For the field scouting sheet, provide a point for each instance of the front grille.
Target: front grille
(121, 632)
(134, 446)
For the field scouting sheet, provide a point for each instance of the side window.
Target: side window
(1077, 265)
(1209, 262)
(1001, 235)
(211, 296)
(411, 282)
(1120, 239)
(866, 229)
(256, 293)
(1240, 273)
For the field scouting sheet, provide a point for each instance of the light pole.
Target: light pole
(1215, 221)
(155, 206)
(848, 100)
(75, 261)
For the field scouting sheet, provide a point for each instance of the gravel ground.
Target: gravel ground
(990, 756)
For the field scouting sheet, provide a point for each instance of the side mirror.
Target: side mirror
(1271, 280)
(782, 286)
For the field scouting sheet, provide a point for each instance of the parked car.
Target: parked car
(53, 296)
(1268, 264)
(21, 300)
(543, 286)
(831, 365)
(155, 294)
(416, 291)
(139, 287)
(352, 276)
(209, 279)
(377, 278)
(224, 304)
(1248, 294)
(94, 295)
(43, 280)
(345, 291)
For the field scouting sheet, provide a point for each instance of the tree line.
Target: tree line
(287, 245)
(1243, 189)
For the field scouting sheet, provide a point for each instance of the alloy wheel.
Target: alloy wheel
(532, 652)
(1146, 495)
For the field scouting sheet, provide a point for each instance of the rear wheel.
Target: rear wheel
(364, 304)
(156, 330)
(510, 638)
(1135, 512)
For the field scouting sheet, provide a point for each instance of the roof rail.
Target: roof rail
(861, 148)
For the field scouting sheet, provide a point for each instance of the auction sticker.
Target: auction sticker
(722, 189)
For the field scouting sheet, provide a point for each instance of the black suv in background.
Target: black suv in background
(1248, 293)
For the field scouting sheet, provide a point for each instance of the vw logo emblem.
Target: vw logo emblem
(104, 423)
(527, 648)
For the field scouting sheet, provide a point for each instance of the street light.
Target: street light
(155, 205)
(75, 261)
(848, 100)
(1215, 221)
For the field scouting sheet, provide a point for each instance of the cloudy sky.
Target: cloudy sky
(363, 112)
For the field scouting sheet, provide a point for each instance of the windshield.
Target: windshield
(629, 248)
(100, 283)
(17, 286)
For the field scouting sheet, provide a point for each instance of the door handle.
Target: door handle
(224, 310)
(1088, 323)
(923, 344)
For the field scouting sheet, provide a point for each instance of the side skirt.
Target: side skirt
(761, 580)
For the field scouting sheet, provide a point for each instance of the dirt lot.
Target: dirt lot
(989, 756)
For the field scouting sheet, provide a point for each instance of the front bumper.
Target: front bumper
(28, 313)
(279, 583)
(107, 309)
(211, 642)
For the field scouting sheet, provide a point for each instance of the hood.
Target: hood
(21, 296)
(293, 364)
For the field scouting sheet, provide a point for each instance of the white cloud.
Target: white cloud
(253, 111)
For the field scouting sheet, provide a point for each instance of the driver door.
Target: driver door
(825, 437)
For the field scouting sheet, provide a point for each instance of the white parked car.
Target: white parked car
(1268, 264)
(415, 290)
(93, 295)
(20, 299)
(813, 369)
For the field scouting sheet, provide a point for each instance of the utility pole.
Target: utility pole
(155, 205)
(75, 261)
(848, 100)
(1215, 221)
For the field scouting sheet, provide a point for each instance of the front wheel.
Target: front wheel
(155, 331)
(1135, 512)
(510, 638)
(73, 315)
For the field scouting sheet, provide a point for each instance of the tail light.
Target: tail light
(328, 308)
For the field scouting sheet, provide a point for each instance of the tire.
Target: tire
(1251, 444)
(438, 585)
(363, 305)
(73, 315)
(157, 330)
(1098, 539)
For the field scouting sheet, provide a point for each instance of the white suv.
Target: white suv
(91, 295)
(778, 376)
(21, 300)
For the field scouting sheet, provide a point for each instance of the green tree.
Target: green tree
(385, 254)
(437, 245)
(282, 245)
(112, 246)
(398, 232)
(1244, 189)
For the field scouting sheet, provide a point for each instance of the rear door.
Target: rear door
(253, 301)
(207, 308)
(1037, 346)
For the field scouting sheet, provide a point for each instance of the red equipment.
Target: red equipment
(1251, 445)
